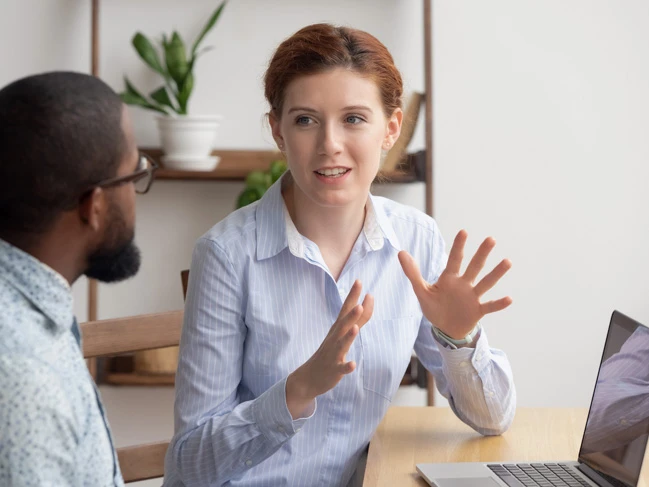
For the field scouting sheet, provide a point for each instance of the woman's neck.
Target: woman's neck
(333, 230)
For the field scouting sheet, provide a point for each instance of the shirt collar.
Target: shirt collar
(45, 288)
(276, 230)
(377, 226)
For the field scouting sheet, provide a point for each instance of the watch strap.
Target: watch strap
(456, 343)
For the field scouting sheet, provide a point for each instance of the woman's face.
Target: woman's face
(332, 130)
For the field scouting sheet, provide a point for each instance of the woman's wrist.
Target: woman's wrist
(467, 341)
(298, 397)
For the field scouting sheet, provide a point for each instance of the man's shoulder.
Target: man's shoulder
(22, 326)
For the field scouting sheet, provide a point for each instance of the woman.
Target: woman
(283, 376)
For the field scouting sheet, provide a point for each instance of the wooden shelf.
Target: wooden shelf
(236, 164)
(133, 379)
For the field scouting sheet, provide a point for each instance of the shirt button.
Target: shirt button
(624, 421)
(491, 394)
(248, 463)
(464, 363)
(280, 429)
(342, 293)
(479, 356)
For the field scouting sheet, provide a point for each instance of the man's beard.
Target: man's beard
(118, 258)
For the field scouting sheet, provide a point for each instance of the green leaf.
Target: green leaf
(129, 99)
(200, 53)
(148, 53)
(277, 168)
(184, 92)
(258, 178)
(176, 59)
(208, 26)
(132, 90)
(249, 195)
(133, 97)
(161, 95)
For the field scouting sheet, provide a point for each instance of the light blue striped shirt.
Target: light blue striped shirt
(261, 301)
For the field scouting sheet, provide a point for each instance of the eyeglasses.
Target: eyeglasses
(142, 177)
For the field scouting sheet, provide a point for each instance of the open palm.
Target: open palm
(453, 304)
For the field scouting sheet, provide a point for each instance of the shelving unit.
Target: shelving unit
(236, 164)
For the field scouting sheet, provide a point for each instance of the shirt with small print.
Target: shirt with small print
(261, 301)
(52, 428)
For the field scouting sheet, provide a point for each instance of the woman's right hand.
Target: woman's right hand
(327, 365)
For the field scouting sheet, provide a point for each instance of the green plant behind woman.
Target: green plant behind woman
(177, 70)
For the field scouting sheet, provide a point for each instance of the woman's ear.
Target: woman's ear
(393, 128)
(276, 129)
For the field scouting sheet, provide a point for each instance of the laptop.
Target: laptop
(615, 437)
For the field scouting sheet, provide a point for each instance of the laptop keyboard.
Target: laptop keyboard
(538, 474)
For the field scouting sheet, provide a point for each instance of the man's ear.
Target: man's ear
(275, 129)
(92, 209)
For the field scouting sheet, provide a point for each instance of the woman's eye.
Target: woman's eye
(304, 120)
(354, 120)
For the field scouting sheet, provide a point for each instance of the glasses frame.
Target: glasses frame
(118, 181)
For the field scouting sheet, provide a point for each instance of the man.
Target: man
(69, 171)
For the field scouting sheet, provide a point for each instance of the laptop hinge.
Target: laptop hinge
(594, 475)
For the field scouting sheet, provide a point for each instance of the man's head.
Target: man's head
(64, 139)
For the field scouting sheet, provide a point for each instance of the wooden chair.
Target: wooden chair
(184, 279)
(105, 338)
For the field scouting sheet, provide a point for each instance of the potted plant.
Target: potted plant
(257, 182)
(186, 140)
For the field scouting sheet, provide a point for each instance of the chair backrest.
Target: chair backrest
(184, 278)
(105, 338)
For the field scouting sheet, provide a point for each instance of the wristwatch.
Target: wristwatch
(452, 342)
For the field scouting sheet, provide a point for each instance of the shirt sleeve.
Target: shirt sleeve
(39, 434)
(218, 437)
(478, 381)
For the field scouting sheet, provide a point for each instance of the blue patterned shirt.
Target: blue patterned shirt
(52, 430)
(259, 304)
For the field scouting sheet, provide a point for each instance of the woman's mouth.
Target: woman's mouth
(336, 172)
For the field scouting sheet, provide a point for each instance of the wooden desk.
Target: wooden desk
(411, 435)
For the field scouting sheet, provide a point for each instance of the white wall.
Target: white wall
(541, 111)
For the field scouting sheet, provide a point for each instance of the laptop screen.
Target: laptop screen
(617, 428)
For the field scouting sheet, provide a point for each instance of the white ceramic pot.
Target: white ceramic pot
(187, 141)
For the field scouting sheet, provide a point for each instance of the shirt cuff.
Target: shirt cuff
(458, 361)
(273, 417)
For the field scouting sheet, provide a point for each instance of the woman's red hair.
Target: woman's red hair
(322, 47)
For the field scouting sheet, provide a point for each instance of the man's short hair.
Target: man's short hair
(60, 133)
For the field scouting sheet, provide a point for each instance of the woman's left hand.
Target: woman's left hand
(453, 304)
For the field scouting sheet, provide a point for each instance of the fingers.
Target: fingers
(457, 253)
(347, 367)
(368, 309)
(345, 342)
(352, 299)
(497, 305)
(412, 272)
(359, 315)
(490, 280)
(479, 259)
